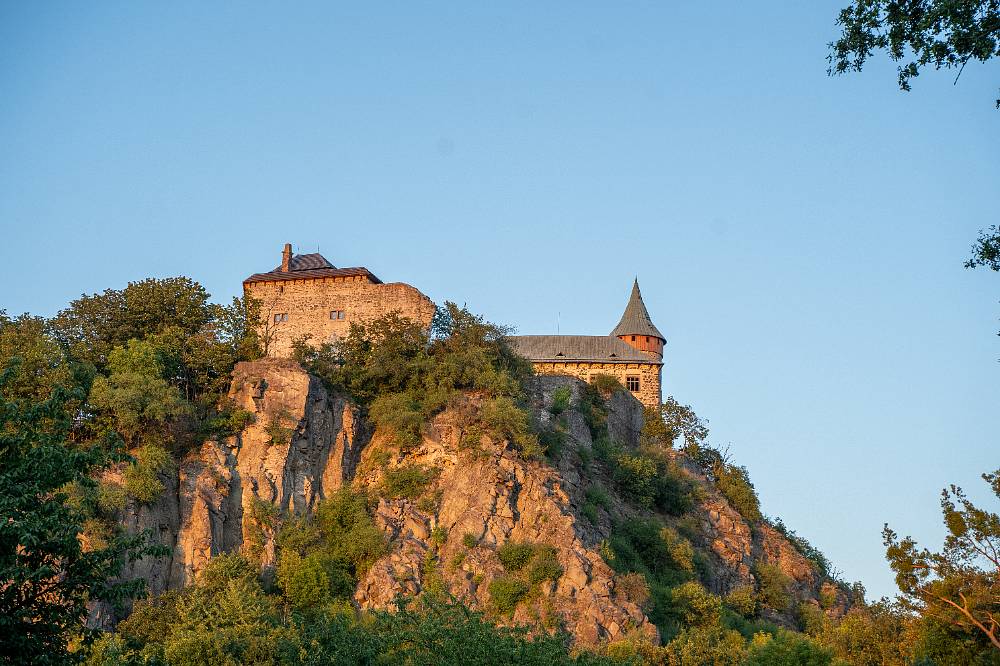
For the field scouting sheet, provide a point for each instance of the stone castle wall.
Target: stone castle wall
(649, 392)
(308, 304)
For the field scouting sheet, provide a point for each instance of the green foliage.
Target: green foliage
(140, 477)
(708, 645)
(806, 549)
(544, 566)
(405, 376)
(407, 481)
(41, 365)
(111, 496)
(773, 585)
(334, 547)
(470, 540)
(695, 605)
(633, 587)
(742, 600)
(871, 635)
(277, 431)
(810, 618)
(260, 523)
(786, 648)
(506, 592)
(48, 577)
(676, 421)
(955, 591)
(648, 478)
(606, 384)
(560, 400)
(514, 556)
(935, 33)
(734, 483)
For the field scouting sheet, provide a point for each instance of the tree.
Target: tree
(47, 576)
(918, 33)
(958, 587)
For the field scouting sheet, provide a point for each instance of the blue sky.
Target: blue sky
(798, 238)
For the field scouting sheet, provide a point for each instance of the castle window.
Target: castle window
(282, 316)
(632, 383)
(336, 314)
(633, 338)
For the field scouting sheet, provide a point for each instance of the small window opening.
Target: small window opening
(633, 338)
(282, 316)
(336, 314)
(632, 383)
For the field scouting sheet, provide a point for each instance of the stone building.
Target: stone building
(632, 353)
(307, 295)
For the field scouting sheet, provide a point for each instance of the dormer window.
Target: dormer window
(337, 314)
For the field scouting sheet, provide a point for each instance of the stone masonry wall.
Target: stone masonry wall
(308, 304)
(649, 392)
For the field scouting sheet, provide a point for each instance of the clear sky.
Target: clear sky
(799, 239)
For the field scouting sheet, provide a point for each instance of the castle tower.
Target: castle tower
(636, 328)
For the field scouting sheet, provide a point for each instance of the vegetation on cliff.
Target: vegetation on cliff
(122, 385)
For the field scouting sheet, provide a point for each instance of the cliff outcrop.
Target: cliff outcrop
(475, 494)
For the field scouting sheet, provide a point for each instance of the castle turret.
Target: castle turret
(636, 328)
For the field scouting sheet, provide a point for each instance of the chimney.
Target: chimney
(286, 258)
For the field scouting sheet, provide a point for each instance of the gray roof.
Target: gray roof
(310, 266)
(307, 262)
(592, 348)
(636, 320)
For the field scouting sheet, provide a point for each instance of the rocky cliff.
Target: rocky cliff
(305, 443)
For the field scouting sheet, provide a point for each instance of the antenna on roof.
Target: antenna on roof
(558, 314)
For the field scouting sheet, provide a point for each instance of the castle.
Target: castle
(308, 296)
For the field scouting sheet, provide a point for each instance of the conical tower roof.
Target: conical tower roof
(635, 320)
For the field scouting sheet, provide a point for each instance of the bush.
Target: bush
(407, 481)
(734, 483)
(505, 420)
(470, 540)
(506, 593)
(140, 477)
(633, 587)
(696, 605)
(304, 580)
(544, 566)
(515, 556)
(773, 585)
(606, 384)
(111, 496)
(705, 645)
(560, 400)
(810, 618)
(786, 648)
(742, 600)
(276, 429)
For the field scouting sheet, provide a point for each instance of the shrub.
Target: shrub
(606, 384)
(696, 605)
(276, 429)
(633, 587)
(742, 600)
(734, 483)
(506, 593)
(262, 519)
(599, 497)
(773, 585)
(407, 481)
(470, 540)
(706, 645)
(503, 418)
(544, 566)
(515, 556)
(680, 549)
(140, 477)
(304, 580)
(560, 400)
(111, 496)
(810, 618)
(786, 648)
(827, 597)
(635, 476)
(589, 510)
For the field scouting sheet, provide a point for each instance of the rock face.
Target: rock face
(305, 442)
